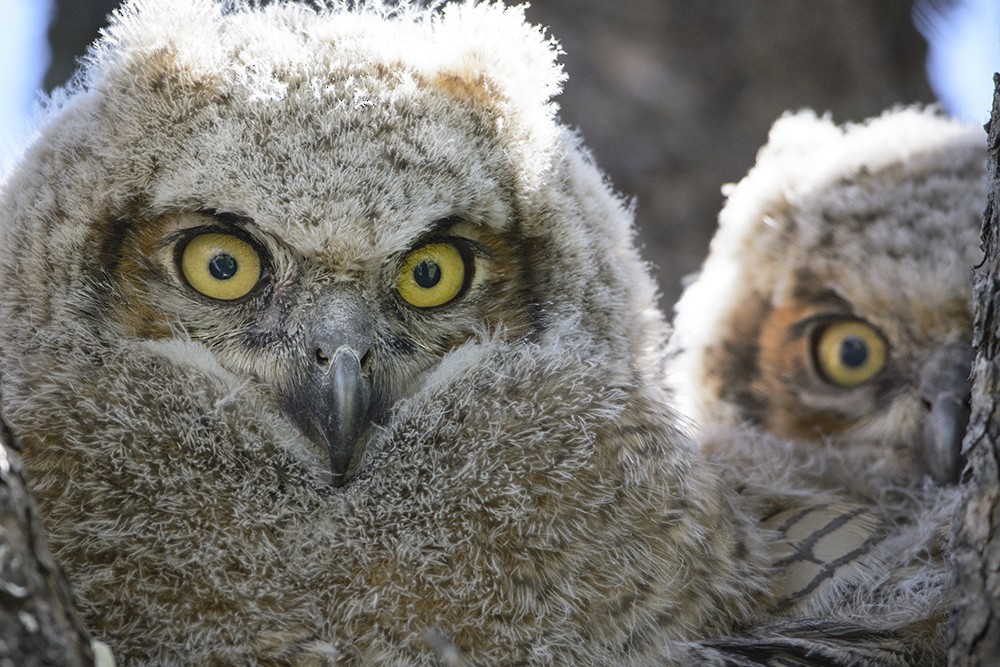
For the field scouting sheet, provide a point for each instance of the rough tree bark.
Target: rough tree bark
(38, 624)
(975, 624)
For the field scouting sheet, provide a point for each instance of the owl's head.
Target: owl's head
(329, 201)
(835, 303)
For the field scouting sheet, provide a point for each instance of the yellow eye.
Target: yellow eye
(220, 266)
(432, 275)
(850, 352)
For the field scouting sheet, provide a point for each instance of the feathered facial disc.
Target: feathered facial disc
(835, 303)
(329, 201)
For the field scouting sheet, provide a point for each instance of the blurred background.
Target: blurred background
(674, 97)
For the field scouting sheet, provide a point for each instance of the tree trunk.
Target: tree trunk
(975, 625)
(38, 625)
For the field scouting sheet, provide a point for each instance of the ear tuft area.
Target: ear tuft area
(493, 41)
(487, 53)
(478, 89)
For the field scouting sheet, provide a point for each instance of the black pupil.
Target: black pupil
(427, 274)
(853, 352)
(223, 266)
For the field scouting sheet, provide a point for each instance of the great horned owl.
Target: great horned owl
(835, 304)
(321, 333)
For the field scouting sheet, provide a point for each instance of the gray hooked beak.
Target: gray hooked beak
(945, 389)
(331, 402)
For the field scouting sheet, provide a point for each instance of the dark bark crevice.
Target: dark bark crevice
(974, 632)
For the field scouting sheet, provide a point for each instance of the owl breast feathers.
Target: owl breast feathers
(321, 333)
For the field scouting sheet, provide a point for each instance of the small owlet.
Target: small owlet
(827, 337)
(835, 304)
(320, 332)
(324, 338)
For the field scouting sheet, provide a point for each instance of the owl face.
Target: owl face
(840, 301)
(329, 228)
(329, 202)
(833, 370)
(335, 346)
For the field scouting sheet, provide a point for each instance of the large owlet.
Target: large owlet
(835, 304)
(324, 339)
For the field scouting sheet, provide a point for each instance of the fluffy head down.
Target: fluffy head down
(521, 487)
(836, 295)
(345, 139)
